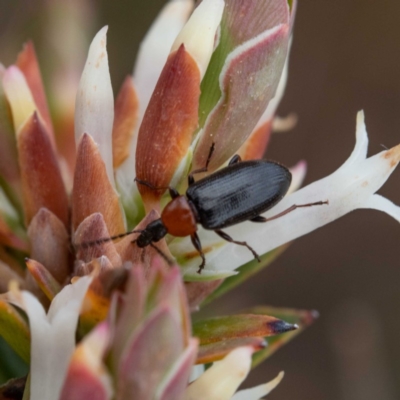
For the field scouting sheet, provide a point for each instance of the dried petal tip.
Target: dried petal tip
(314, 314)
(198, 35)
(393, 155)
(280, 326)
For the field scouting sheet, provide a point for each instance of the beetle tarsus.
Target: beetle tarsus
(197, 244)
(161, 253)
(172, 191)
(226, 237)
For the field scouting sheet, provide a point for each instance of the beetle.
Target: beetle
(239, 192)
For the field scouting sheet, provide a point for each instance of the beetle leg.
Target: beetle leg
(190, 179)
(172, 191)
(259, 218)
(148, 184)
(235, 159)
(197, 244)
(204, 169)
(226, 237)
(161, 253)
(288, 210)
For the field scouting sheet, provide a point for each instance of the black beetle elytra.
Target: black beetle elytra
(239, 192)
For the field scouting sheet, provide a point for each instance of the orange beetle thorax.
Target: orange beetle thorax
(178, 217)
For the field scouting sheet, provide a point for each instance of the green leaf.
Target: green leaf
(11, 365)
(218, 336)
(302, 318)
(245, 272)
(236, 326)
(212, 352)
(15, 330)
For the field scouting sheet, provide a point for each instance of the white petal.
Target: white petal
(352, 186)
(221, 381)
(155, 48)
(198, 35)
(298, 174)
(284, 124)
(19, 96)
(380, 203)
(360, 150)
(152, 55)
(52, 338)
(197, 371)
(69, 300)
(258, 392)
(94, 107)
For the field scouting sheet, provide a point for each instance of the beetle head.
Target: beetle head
(153, 232)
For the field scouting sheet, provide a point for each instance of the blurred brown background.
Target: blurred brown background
(345, 57)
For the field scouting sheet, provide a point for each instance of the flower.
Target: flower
(52, 335)
(350, 187)
(214, 80)
(224, 377)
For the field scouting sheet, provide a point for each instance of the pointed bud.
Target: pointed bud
(168, 125)
(7, 274)
(92, 191)
(87, 372)
(41, 179)
(43, 278)
(50, 244)
(91, 229)
(28, 64)
(126, 116)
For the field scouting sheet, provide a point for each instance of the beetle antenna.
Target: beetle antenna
(161, 253)
(85, 245)
(260, 218)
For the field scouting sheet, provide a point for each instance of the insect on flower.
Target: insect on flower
(234, 194)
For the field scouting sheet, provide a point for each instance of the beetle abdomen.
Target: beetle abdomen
(238, 193)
